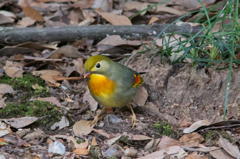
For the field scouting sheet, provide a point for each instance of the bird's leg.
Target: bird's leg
(134, 117)
(100, 115)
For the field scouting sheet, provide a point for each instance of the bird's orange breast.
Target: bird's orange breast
(100, 85)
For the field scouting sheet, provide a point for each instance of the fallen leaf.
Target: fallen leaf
(4, 129)
(115, 19)
(193, 139)
(113, 140)
(195, 155)
(153, 20)
(172, 152)
(193, 4)
(115, 40)
(66, 51)
(102, 132)
(81, 151)
(49, 76)
(105, 5)
(94, 142)
(231, 149)
(134, 5)
(26, 21)
(201, 148)
(20, 122)
(5, 88)
(64, 122)
(141, 97)
(166, 142)
(2, 102)
(29, 11)
(52, 100)
(13, 69)
(82, 127)
(196, 125)
(5, 18)
(163, 8)
(138, 137)
(220, 154)
(87, 97)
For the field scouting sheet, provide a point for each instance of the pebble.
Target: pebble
(130, 152)
(113, 151)
(57, 148)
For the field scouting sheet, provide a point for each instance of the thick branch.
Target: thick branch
(10, 36)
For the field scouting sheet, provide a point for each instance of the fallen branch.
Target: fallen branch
(11, 36)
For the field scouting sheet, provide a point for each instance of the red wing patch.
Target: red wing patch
(138, 80)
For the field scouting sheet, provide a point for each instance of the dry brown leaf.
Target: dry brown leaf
(5, 88)
(94, 142)
(115, 19)
(231, 149)
(20, 122)
(166, 142)
(81, 151)
(172, 152)
(162, 8)
(13, 69)
(220, 154)
(196, 125)
(193, 4)
(195, 155)
(26, 21)
(138, 137)
(116, 40)
(82, 128)
(52, 100)
(134, 5)
(102, 132)
(66, 51)
(87, 97)
(153, 20)
(191, 140)
(29, 11)
(141, 97)
(49, 76)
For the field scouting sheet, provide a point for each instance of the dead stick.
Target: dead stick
(68, 78)
(11, 35)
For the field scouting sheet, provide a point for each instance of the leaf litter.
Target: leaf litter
(72, 135)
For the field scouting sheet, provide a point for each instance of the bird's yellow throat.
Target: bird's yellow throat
(100, 85)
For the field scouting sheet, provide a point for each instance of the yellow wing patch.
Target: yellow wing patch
(100, 85)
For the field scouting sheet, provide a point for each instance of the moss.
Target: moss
(34, 85)
(49, 113)
(211, 136)
(95, 152)
(164, 128)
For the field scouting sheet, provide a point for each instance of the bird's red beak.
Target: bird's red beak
(86, 75)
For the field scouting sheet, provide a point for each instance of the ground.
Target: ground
(188, 106)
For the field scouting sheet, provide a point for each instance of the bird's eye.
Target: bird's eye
(98, 65)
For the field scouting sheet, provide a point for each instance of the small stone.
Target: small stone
(57, 148)
(112, 119)
(130, 152)
(2, 156)
(113, 151)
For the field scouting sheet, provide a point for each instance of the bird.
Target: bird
(111, 84)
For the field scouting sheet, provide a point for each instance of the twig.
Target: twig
(68, 78)
(11, 36)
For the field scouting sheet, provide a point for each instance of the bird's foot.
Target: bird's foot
(133, 117)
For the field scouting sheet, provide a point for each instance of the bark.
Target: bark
(12, 36)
